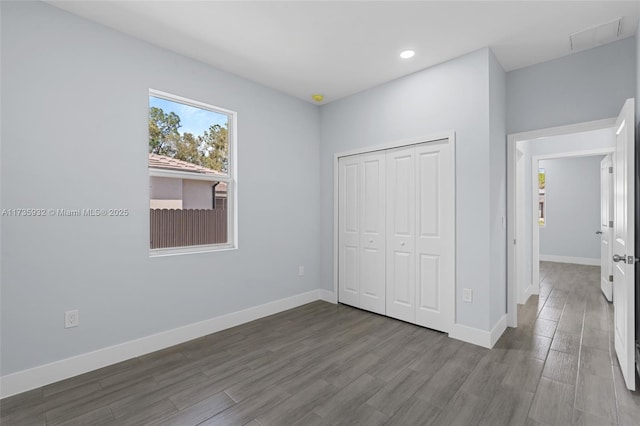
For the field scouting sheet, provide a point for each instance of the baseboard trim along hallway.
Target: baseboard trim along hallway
(486, 339)
(570, 259)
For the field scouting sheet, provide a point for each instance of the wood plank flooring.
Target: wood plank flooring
(322, 364)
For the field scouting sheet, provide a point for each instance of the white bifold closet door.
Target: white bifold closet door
(401, 224)
(396, 233)
(420, 235)
(362, 231)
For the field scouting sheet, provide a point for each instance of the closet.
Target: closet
(396, 220)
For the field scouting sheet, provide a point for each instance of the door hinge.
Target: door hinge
(610, 169)
(610, 224)
(610, 278)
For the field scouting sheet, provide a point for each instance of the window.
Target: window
(191, 175)
(542, 208)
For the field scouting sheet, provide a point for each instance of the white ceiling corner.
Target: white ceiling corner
(338, 48)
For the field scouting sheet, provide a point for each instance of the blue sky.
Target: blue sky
(194, 120)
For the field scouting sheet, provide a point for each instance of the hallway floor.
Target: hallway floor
(572, 323)
(324, 364)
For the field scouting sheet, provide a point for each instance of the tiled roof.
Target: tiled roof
(167, 163)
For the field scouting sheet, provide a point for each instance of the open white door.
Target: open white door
(623, 244)
(606, 229)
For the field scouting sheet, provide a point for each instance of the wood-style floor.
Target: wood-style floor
(322, 364)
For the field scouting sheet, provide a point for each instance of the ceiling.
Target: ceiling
(338, 48)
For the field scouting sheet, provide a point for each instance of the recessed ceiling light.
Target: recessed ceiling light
(406, 54)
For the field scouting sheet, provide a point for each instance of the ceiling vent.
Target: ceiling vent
(596, 36)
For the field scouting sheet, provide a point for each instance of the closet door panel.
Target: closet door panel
(349, 230)
(427, 283)
(401, 234)
(434, 223)
(372, 237)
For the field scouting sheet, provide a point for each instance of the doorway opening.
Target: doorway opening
(525, 152)
(623, 226)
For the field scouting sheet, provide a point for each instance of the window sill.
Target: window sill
(177, 251)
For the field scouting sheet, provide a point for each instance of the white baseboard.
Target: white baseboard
(471, 335)
(570, 259)
(525, 295)
(534, 289)
(498, 330)
(528, 292)
(328, 296)
(479, 337)
(32, 378)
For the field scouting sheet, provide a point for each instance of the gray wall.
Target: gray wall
(573, 207)
(74, 135)
(450, 96)
(585, 86)
(497, 189)
(583, 141)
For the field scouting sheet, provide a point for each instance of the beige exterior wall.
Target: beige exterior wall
(165, 193)
(173, 193)
(196, 194)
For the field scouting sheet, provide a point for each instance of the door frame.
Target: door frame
(535, 228)
(451, 136)
(519, 222)
(512, 253)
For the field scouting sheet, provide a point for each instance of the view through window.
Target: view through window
(190, 179)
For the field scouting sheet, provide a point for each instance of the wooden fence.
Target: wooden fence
(190, 227)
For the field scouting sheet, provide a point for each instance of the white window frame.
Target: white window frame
(231, 180)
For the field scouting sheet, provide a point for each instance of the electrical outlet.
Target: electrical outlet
(467, 295)
(71, 319)
(301, 271)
